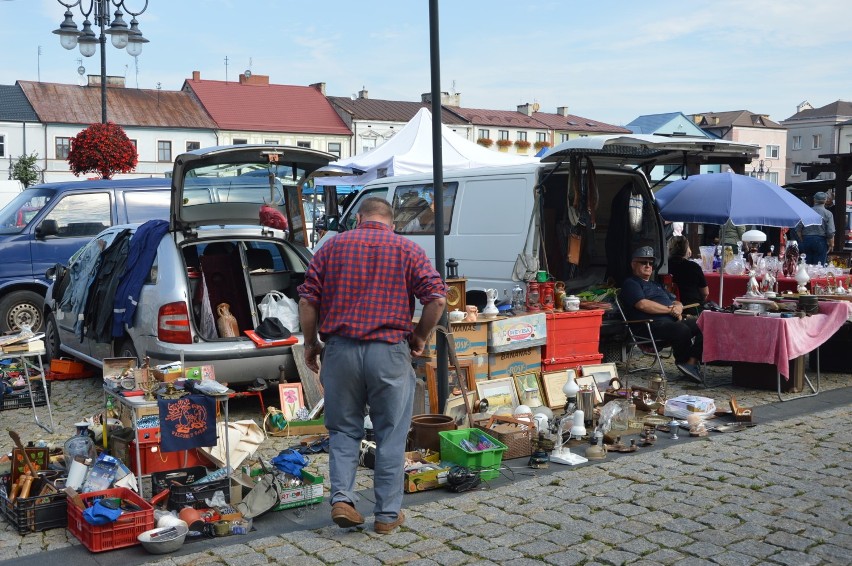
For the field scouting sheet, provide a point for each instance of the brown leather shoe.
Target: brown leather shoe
(383, 528)
(345, 515)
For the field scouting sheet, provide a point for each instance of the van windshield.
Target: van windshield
(21, 210)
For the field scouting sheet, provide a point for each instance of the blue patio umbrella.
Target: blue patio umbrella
(716, 198)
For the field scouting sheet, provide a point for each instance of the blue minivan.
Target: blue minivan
(46, 224)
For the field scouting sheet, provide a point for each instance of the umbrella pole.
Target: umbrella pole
(722, 278)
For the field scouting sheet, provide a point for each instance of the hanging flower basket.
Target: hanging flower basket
(485, 142)
(522, 144)
(504, 143)
(540, 144)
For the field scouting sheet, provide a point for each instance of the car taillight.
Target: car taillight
(173, 324)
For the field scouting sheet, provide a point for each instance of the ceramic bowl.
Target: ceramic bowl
(168, 542)
(456, 315)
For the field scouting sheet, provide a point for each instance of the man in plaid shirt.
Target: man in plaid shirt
(358, 296)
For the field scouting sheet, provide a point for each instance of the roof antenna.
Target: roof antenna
(226, 68)
(159, 87)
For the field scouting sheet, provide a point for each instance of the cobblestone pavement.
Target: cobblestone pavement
(774, 494)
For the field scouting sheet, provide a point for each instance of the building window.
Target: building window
(817, 141)
(522, 136)
(135, 145)
(797, 142)
(502, 134)
(2, 146)
(63, 146)
(484, 134)
(541, 136)
(797, 169)
(164, 151)
(240, 141)
(303, 144)
(270, 142)
(772, 151)
(367, 144)
(566, 137)
(192, 146)
(771, 176)
(334, 147)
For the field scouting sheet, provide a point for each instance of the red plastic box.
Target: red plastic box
(572, 334)
(154, 459)
(119, 534)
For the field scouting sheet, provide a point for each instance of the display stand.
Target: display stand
(133, 406)
(28, 364)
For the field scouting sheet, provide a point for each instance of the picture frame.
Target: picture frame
(589, 381)
(465, 369)
(455, 408)
(292, 399)
(599, 370)
(499, 393)
(552, 383)
(529, 389)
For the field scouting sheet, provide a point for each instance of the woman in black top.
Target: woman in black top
(687, 274)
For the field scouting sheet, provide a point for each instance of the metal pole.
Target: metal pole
(438, 190)
(103, 9)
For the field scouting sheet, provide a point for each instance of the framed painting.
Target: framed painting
(552, 383)
(455, 408)
(603, 373)
(292, 399)
(589, 381)
(464, 371)
(529, 389)
(498, 392)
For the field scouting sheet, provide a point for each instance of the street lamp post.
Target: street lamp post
(761, 172)
(123, 36)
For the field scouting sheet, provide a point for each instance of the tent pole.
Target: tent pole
(438, 191)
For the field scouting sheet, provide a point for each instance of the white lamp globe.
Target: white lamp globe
(570, 389)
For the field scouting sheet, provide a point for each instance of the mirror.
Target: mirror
(46, 228)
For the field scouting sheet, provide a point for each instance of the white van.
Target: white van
(489, 212)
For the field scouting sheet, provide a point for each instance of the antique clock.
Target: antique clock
(456, 294)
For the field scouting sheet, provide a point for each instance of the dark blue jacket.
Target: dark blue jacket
(143, 250)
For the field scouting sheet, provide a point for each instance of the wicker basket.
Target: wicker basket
(516, 434)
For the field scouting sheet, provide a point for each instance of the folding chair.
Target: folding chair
(646, 346)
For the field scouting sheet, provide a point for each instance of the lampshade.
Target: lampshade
(754, 236)
(570, 389)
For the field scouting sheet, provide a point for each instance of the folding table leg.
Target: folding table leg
(814, 390)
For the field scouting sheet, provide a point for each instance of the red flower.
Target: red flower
(103, 149)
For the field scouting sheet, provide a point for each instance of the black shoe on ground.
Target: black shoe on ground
(690, 371)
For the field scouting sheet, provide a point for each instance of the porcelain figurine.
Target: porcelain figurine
(753, 287)
(472, 313)
(802, 276)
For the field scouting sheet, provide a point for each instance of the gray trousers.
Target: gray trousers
(355, 374)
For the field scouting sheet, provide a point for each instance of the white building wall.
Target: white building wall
(20, 138)
(317, 141)
(764, 137)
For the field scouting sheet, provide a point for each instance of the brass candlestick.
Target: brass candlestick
(149, 385)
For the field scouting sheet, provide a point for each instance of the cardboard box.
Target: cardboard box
(471, 339)
(479, 365)
(517, 332)
(126, 415)
(116, 368)
(507, 364)
(310, 492)
(765, 376)
(426, 479)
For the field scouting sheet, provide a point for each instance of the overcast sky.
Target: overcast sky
(606, 60)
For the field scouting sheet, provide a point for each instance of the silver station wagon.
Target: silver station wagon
(213, 251)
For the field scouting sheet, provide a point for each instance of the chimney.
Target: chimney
(715, 120)
(196, 75)
(111, 82)
(447, 99)
(804, 105)
(248, 78)
(363, 93)
(320, 87)
(562, 111)
(526, 109)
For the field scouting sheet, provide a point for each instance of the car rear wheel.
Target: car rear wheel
(51, 339)
(20, 308)
(126, 349)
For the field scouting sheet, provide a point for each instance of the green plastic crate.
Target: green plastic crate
(486, 461)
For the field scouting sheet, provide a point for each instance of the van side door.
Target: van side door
(73, 220)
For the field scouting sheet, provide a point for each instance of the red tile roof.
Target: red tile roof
(267, 107)
(125, 106)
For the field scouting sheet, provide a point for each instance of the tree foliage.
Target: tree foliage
(25, 169)
(103, 149)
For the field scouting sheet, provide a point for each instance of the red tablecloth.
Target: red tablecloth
(735, 286)
(765, 340)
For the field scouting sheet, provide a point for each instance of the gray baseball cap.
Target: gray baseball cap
(644, 251)
(820, 197)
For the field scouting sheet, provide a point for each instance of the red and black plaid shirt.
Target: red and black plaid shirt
(364, 282)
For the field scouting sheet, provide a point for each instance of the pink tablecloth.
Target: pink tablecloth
(761, 339)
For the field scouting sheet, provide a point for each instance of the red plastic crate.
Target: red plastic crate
(154, 459)
(119, 534)
(570, 362)
(572, 334)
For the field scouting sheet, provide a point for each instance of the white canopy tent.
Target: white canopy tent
(410, 151)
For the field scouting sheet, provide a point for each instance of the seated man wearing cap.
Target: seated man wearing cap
(643, 299)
